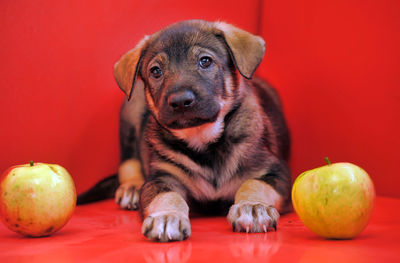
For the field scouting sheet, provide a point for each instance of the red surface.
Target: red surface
(102, 232)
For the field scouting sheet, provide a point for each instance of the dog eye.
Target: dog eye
(156, 72)
(205, 62)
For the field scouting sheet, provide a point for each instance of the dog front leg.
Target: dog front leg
(258, 203)
(165, 213)
(255, 206)
(131, 180)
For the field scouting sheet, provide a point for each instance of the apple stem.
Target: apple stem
(31, 163)
(327, 160)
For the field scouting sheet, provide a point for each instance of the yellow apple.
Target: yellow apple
(36, 199)
(334, 201)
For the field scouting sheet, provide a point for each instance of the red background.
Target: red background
(335, 64)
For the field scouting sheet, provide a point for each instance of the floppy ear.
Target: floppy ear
(126, 69)
(246, 50)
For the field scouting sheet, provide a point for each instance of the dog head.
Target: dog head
(188, 72)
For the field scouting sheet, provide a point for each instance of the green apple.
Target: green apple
(334, 201)
(36, 199)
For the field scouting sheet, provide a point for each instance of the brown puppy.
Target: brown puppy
(198, 133)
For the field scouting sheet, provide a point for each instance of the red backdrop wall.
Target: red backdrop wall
(337, 66)
(59, 102)
(335, 63)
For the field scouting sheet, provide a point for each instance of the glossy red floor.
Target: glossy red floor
(101, 232)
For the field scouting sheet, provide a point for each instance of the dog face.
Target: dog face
(184, 71)
(188, 71)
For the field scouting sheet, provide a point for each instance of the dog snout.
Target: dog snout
(181, 100)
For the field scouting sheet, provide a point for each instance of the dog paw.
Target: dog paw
(127, 196)
(253, 217)
(165, 227)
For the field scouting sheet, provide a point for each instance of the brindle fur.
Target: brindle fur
(233, 137)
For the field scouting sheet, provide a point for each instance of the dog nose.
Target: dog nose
(181, 100)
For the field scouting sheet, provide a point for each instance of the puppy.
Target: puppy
(197, 132)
